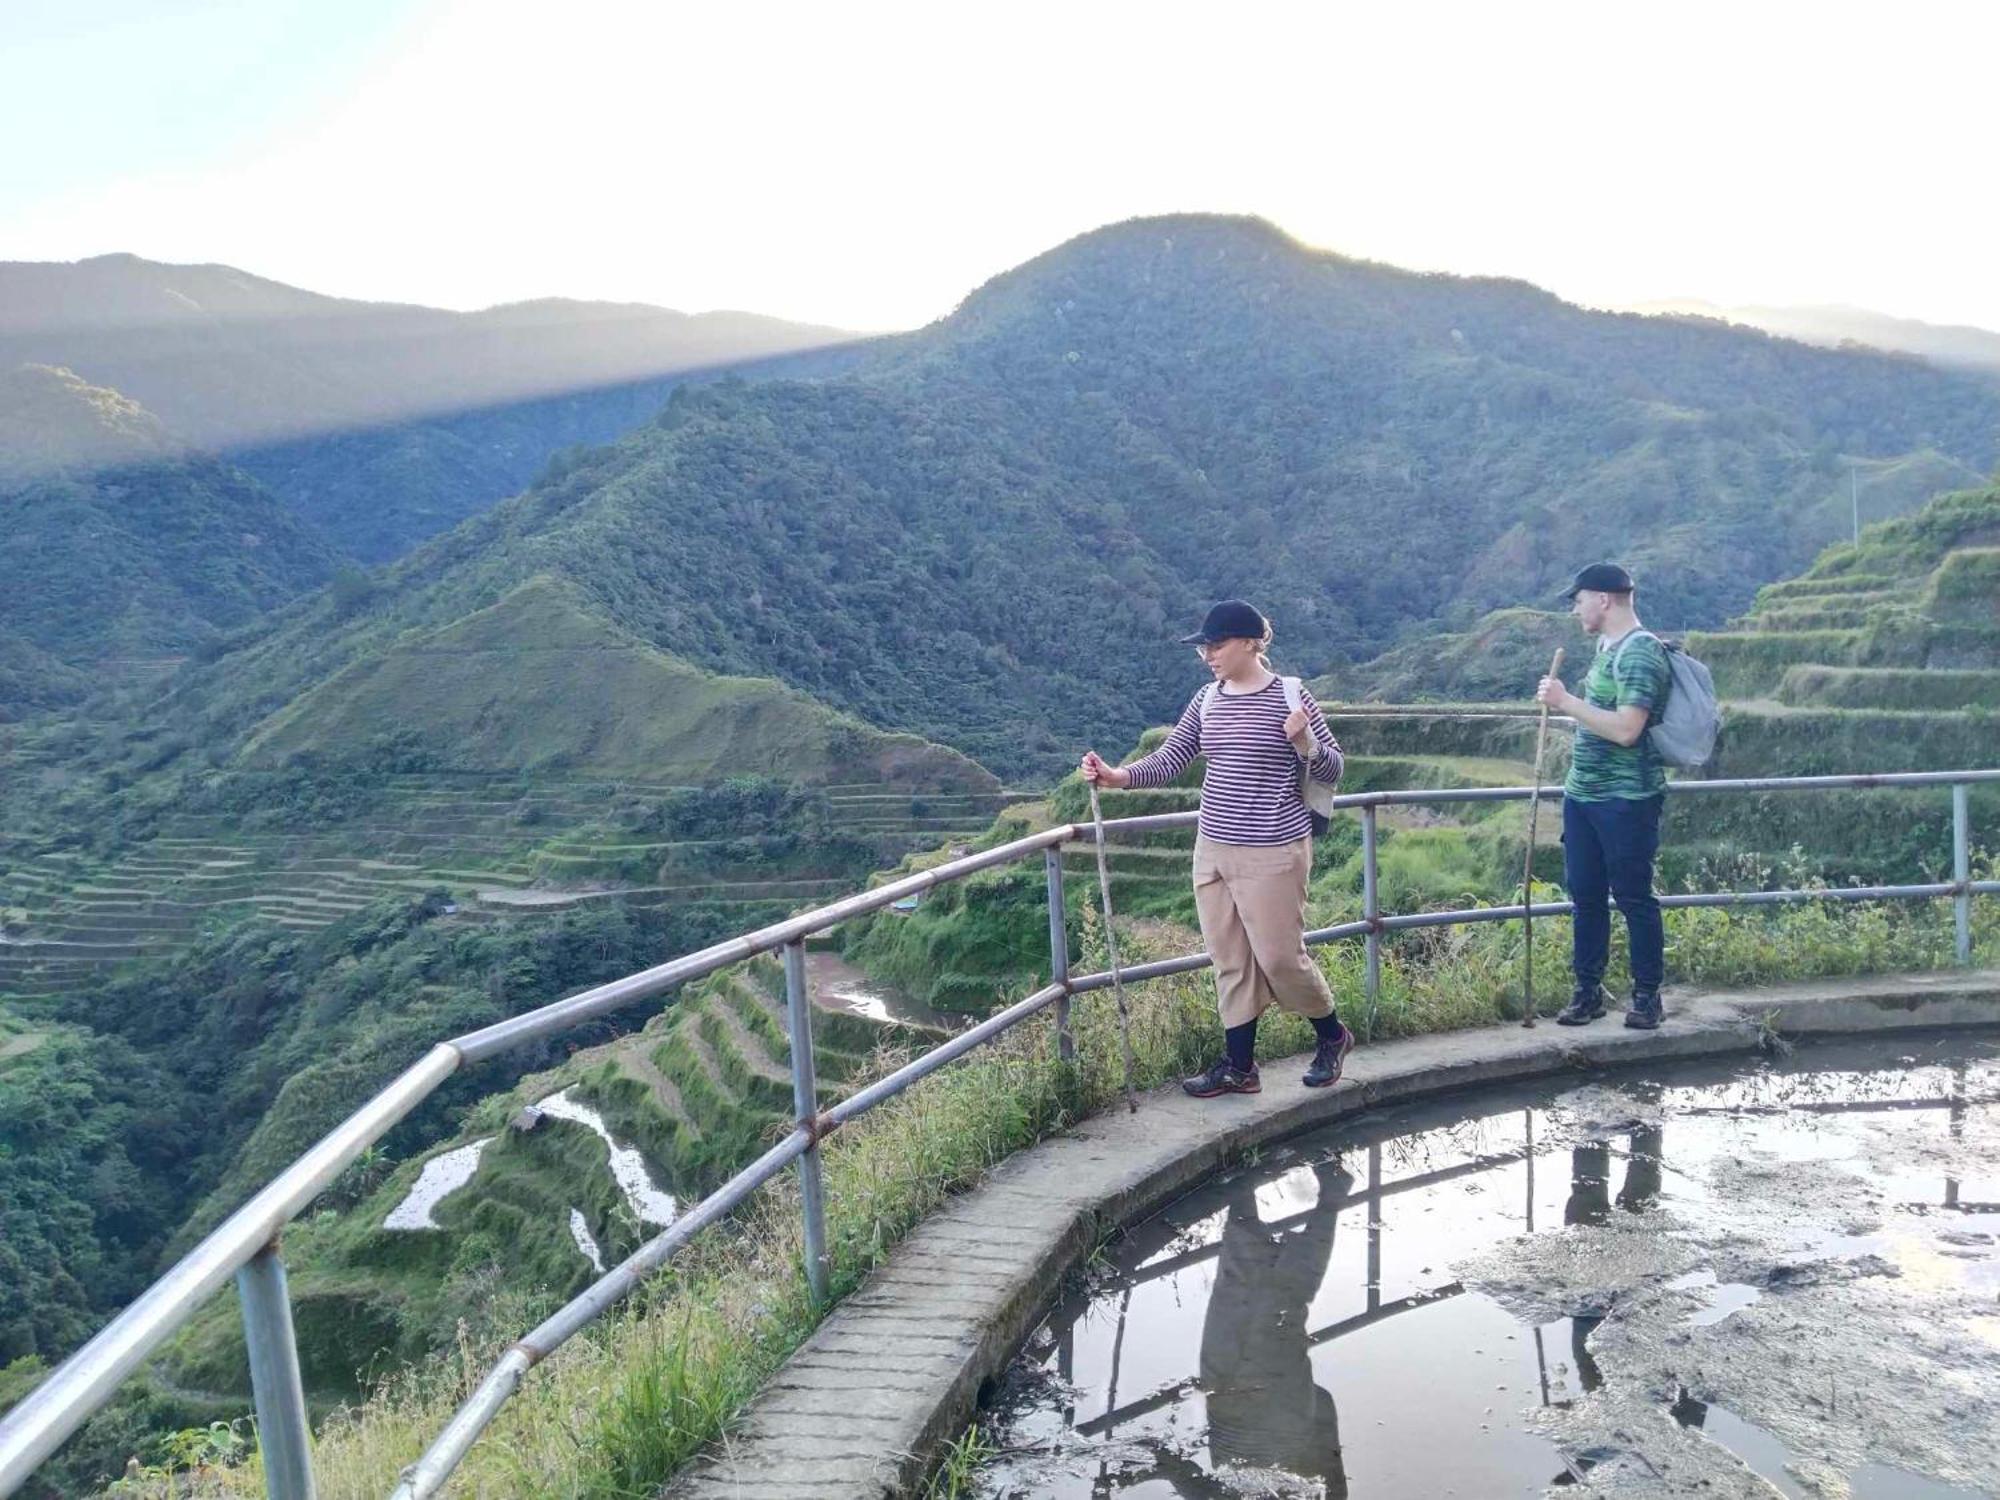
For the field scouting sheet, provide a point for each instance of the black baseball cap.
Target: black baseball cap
(1605, 578)
(1230, 620)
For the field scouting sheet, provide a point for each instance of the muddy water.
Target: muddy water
(837, 985)
(1771, 1280)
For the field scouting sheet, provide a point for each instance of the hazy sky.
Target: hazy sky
(868, 164)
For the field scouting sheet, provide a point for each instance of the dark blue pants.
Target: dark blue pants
(1608, 850)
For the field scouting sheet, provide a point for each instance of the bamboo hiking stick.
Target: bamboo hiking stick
(1528, 865)
(1111, 952)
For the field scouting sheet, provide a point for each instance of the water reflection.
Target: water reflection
(1244, 1345)
(1589, 1202)
(1264, 1408)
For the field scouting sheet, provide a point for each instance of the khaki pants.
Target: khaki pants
(1252, 902)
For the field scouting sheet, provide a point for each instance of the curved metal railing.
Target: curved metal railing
(246, 1245)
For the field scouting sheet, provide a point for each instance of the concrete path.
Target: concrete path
(860, 1411)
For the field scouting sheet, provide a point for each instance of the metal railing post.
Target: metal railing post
(1059, 953)
(284, 1436)
(1961, 867)
(805, 1105)
(1371, 911)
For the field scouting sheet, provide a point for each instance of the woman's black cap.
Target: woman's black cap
(1230, 620)
(1605, 578)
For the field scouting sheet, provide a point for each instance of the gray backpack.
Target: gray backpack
(1684, 734)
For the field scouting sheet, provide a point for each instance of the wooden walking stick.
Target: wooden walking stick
(1528, 864)
(1111, 951)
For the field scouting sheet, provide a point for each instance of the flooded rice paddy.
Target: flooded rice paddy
(1780, 1279)
(837, 985)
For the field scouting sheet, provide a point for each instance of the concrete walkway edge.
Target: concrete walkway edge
(863, 1407)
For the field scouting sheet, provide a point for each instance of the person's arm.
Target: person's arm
(1326, 763)
(1640, 679)
(1622, 725)
(1175, 754)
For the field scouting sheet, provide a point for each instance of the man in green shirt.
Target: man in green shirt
(1612, 800)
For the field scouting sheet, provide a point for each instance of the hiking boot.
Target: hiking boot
(1224, 1078)
(1646, 1012)
(1328, 1059)
(1585, 1006)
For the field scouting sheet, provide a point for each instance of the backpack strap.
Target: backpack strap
(1206, 699)
(1619, 655)
(1294, 701)
(1631, 635)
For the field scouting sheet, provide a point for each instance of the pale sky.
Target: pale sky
(867, 164)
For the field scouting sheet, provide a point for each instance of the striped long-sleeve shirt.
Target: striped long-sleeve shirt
(1250, 789)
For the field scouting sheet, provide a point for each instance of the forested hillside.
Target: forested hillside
(123, 545)
(989, 533)
(509, 762)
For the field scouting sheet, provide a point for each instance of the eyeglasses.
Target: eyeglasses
(1205, 649)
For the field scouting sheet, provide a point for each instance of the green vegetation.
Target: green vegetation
(1926, 689)
(572, 737)
(536, 682)
(1916, 610)
(135, 551)
(1501, 657)
(986, 533)
(632, 1399)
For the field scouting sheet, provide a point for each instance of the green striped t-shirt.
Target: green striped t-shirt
(1600, 769)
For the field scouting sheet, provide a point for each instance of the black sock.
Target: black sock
(1241, 1043)
(1327, 1027)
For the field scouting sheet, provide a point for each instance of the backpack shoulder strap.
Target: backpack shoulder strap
(1631, 636)
(1207, 701)
(1294, 701)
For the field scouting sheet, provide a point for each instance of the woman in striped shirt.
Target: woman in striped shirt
(1253, 847)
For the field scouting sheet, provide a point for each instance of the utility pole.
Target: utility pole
(1854, 500)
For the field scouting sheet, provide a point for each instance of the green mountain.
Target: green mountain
(541, 680)
(1499, 659)
(989, 532)
(122, 544)
(1905, 618)
(382, 423)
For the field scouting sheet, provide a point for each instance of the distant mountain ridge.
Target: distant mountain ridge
(1952, 345)
(231, 360)
(988, 533)
(382, 423)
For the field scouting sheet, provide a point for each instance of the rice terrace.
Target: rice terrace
(1272, 774)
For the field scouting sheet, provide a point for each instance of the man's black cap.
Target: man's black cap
(1605, 578)
(1230, 620)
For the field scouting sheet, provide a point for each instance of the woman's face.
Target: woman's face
(1230, 660)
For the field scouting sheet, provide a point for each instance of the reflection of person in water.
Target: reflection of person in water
(1256, 1366)
(1590, 1203)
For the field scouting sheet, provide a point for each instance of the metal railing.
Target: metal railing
(246, 1245)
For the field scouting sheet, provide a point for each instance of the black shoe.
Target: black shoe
(1224, 1078)
(1585, 1006)
(1646, 1012)
(1328, 1060)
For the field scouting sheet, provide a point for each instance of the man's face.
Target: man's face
(1590, 607)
